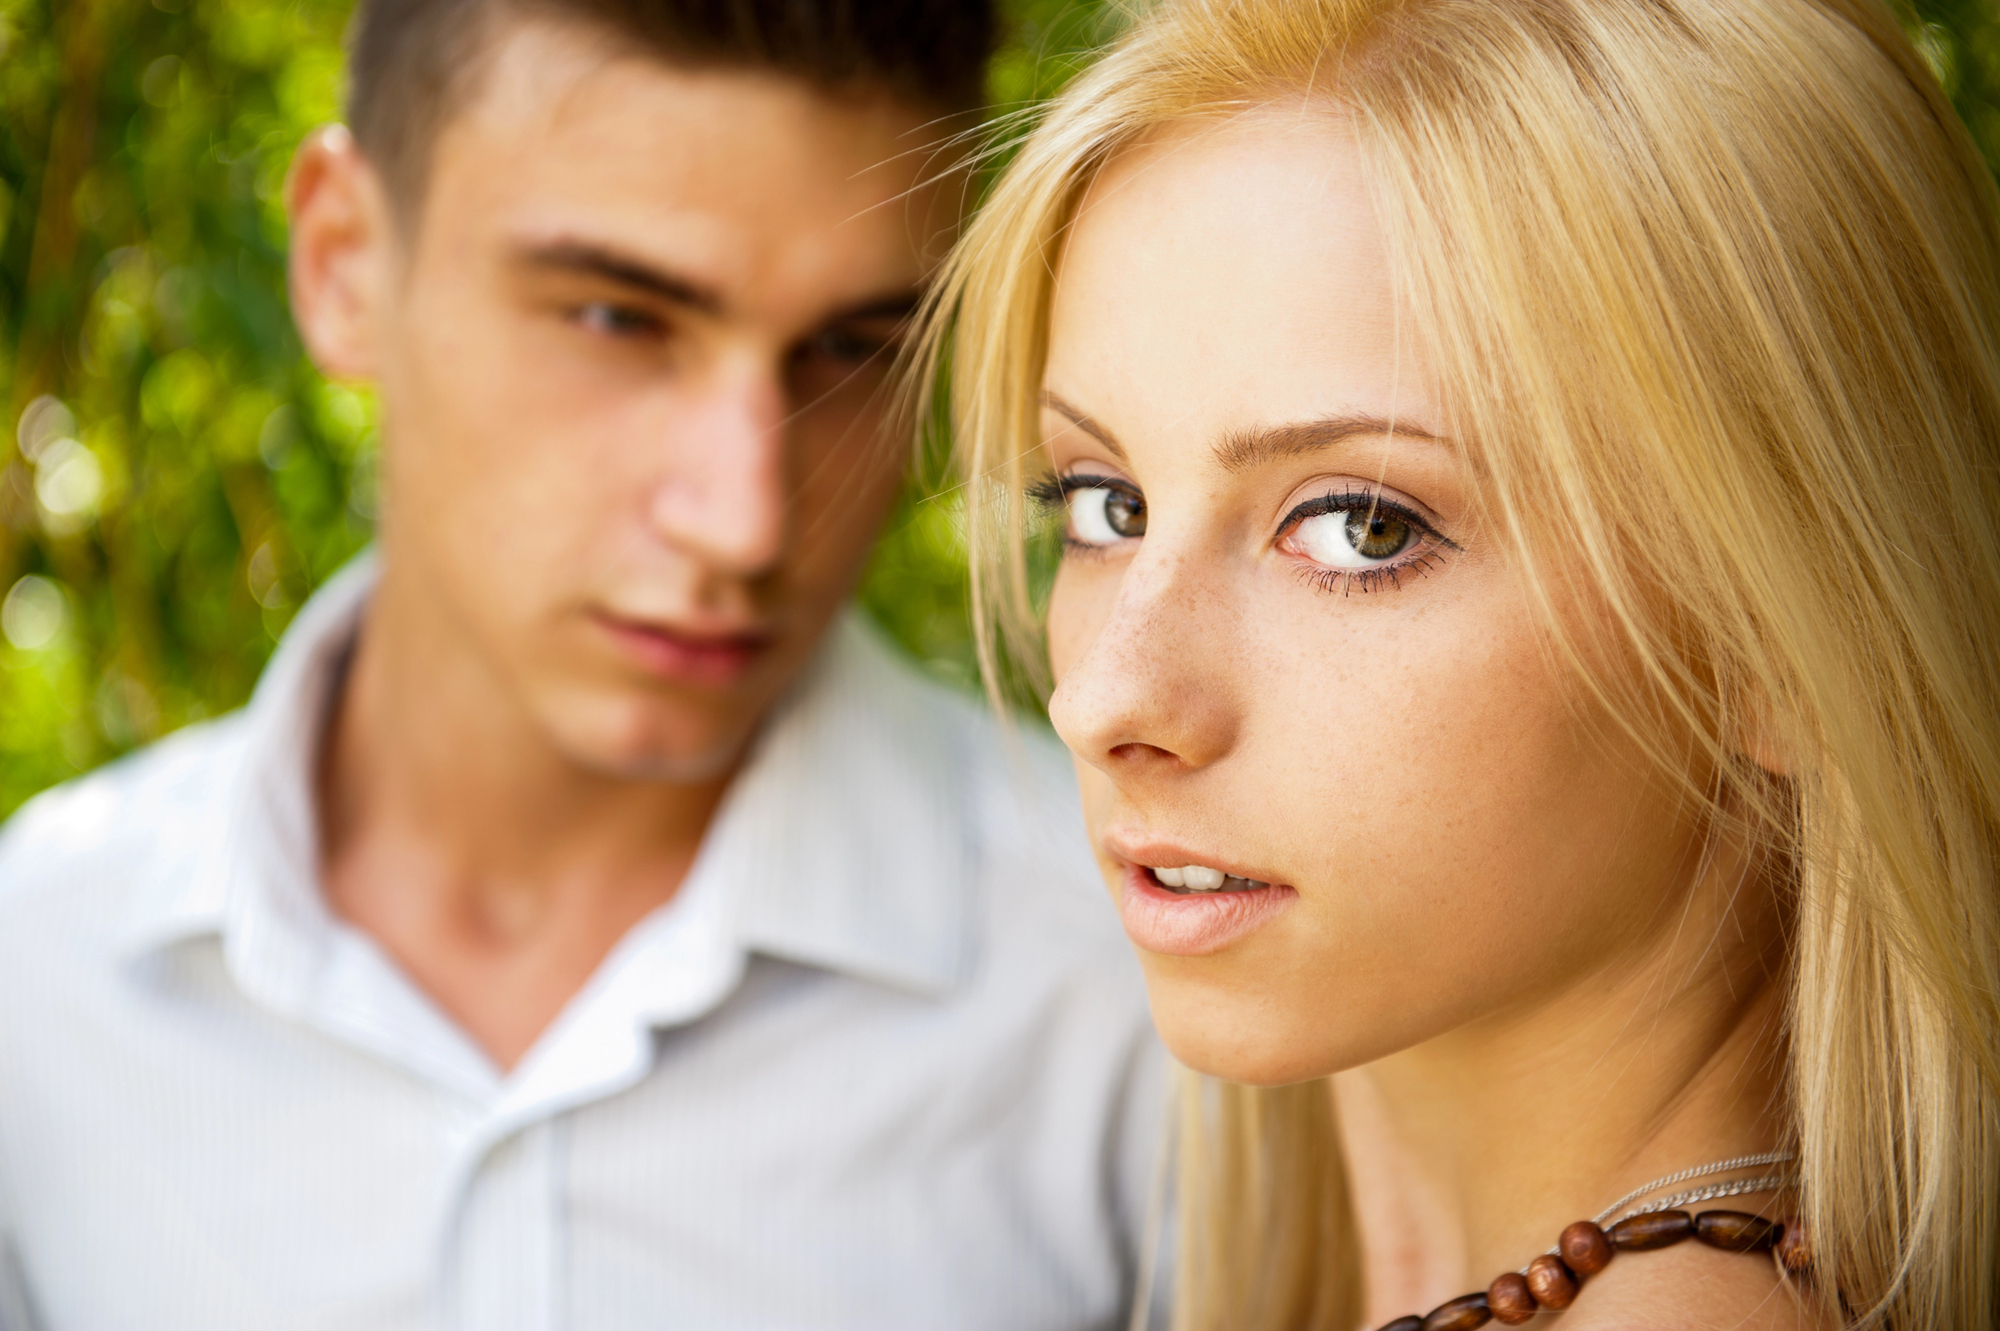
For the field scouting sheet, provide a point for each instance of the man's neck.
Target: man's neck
(496, 872)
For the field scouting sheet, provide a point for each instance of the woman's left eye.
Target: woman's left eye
(1355, 538)
(1361, 539)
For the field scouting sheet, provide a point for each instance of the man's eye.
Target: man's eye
(1101, 515)
(846, 345)
(611, 320)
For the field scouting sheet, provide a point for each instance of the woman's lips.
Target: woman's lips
(1194, 924)
(710, 660)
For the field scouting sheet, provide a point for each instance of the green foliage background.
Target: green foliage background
(160, 526)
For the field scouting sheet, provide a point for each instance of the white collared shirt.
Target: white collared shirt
(883, 1061)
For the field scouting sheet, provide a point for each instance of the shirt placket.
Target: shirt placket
(505, 1240)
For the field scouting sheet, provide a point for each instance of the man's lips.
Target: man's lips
(683, 655)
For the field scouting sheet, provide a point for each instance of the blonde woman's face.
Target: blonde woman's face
(1289, 659)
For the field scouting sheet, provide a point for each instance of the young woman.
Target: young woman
(1529, 628)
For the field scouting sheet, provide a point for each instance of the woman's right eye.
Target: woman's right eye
(1104, 515)
(1097, 511)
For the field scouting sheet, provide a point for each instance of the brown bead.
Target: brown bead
(1794, 1248)
(1410, 1323)
(1733, 1231)
(1584, 1248)
(1644, 1233)
(1509, 1298)
(1551, 1282)
(1467, 1312)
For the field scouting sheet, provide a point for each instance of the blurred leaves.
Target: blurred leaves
(1960, 39)
(177, 477)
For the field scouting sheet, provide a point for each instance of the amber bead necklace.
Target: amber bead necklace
(1551, 1281)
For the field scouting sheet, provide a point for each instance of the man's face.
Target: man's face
(634, 362)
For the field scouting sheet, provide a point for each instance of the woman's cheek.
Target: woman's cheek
(1079, 603)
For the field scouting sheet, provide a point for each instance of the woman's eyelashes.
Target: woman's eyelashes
(1360, 539)
(1349, 539)
(1099, 510)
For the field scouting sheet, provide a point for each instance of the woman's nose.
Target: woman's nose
(1149, 690)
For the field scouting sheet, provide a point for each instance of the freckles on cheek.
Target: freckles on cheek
(1078, 606)
(1433, 737)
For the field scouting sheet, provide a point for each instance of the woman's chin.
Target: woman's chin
(1226, 1034)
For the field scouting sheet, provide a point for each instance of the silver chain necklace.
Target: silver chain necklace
(1733, 1188)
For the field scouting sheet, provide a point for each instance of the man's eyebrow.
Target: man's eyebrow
(1244, 449)
(597, 261)
(1085, 424)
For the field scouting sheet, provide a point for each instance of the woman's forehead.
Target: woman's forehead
(1228, 279)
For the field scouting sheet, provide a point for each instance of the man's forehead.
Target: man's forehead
(549, 85)
(749, 177)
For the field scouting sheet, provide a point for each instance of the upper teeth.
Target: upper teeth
(1198, 878)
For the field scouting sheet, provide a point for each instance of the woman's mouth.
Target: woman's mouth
(1201, 878)
(1191, 910)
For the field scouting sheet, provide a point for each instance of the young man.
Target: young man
(590, 923)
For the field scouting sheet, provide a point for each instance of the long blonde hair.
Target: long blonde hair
(1713, 289)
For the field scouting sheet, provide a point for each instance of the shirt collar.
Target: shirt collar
(850, 829)
(253, 842)
(844, 843)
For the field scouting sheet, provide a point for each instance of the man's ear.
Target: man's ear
(342, 253)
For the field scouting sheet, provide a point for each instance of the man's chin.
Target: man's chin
(644, 749)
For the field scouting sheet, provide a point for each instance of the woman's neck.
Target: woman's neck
(1469, 1153)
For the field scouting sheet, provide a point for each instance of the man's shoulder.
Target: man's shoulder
(1023, 788)
(1017, 778)
(1049, 944)
(73, 843)
(1025, 824)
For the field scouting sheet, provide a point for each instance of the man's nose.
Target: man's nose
(1150, 694)
(722, 497)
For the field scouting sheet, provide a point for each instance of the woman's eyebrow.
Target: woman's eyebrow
(1084, 423)
(1240, 450)
(1243, 449)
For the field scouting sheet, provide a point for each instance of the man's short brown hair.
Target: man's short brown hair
(411, 63)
